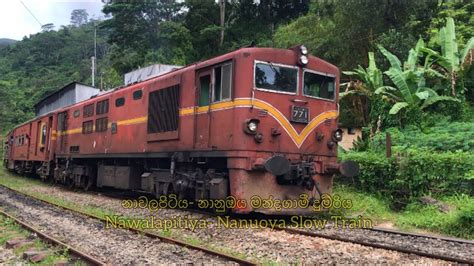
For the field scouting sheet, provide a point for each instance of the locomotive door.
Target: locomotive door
(202, 116)
(61, 129)
(48, 137)
(28, 139)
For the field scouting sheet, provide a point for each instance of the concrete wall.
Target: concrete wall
(58, 100)
(84, 92)
(349, 138)
(74, 93)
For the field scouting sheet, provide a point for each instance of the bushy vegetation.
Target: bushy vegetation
(445, 136)
(456, 222)
(413, 173)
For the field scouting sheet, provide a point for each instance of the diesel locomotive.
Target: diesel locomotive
(255, 121)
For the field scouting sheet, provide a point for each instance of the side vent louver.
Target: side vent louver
(163, 110)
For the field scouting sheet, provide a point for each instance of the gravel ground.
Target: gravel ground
(430, 245)
(264, 244)
(7, 256)
(114, 246)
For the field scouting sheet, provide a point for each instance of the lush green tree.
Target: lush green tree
(367, 81)
(410, 91)
(343, 32)
(135, 27)
(451, 61)
(42, 63)
(47, 27)
(79, 17)
(462, 11)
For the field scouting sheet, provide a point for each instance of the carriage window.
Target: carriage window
(120, 102)
(101, 124)
(204, 85)
(222, 82)
(319, 86)
(43, 135)
(87, 127)
(102, 107)
(62, 121)
(137, 95)
(77, 113)
(276, 78)
(88, 110)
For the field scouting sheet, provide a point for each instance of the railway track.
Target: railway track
(73, 252)
(404, 237)
(342, 236)
(409, 249)
(224, 256)
(403, 244)
(382, 233)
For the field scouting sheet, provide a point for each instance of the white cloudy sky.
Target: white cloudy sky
(16, 21)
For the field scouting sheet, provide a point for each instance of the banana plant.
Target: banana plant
(368, 80)
(450, 60)
(409, 90)
(371, 79)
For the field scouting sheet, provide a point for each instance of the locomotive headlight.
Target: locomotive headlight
(303, 59)
(251, 126)
(337, 136)
(303, 50)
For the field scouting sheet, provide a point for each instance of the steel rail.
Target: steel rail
(375, 245)
(370, 244)
(50, 239)
(143, 232)
(445, 238)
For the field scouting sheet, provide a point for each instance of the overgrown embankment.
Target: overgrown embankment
(427, 183)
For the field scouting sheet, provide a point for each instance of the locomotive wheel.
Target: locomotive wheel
(70, 183)
(89, 183)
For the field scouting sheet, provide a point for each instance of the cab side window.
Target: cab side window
(43, 135)
(222, 83)
(204, 88)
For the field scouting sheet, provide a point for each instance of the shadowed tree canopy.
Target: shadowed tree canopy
(343, 32)
(143, 30)
(79, 17)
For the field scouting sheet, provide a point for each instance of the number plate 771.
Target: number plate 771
(299, 114)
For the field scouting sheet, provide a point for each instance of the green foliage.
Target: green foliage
(451, 60)
(457, 222)
(371, 78)
(462, 12)
(445, 136)
(413, 173)
(343, 32)
(359, 100)
(410, 91)
(173, 32)
(45, 62)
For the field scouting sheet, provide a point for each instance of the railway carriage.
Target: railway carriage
(253, 122)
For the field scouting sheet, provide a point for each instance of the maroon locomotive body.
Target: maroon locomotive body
(253, 122)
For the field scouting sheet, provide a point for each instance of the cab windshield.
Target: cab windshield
(320, 86)
(276, 78)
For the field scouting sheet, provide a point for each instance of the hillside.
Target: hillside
(43, 63)
(5, 42)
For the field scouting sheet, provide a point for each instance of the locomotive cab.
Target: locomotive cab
(287, 109)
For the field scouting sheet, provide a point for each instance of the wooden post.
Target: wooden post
(388, 142)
